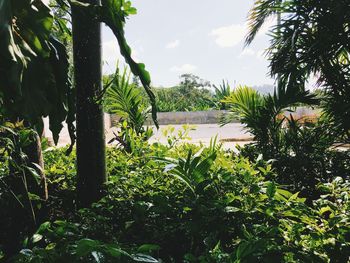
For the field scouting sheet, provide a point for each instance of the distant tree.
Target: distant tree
(190, 81)
(190, 94)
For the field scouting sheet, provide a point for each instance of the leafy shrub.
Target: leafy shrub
(62, 241)
(19, 185)
(300, 148)
(191, 94)
(212, 206)
(125, 99)
(188, 203)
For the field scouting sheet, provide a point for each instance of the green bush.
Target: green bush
(300, 149)
(181, 203)
(183, 99)
(20, 185)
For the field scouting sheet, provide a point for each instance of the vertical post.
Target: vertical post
(91, 168)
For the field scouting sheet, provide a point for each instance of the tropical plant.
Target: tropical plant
(298, 146)
(28, 52)
(238, 212)
(29, 48)
(64, 242)
(87, 16)
(21, 187)
(264, 116)
(221, 92)
(311, 39)
(174, 138)
(192, 170)
(126, 101)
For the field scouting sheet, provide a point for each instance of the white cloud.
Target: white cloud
(229, 36)
(173, 44)
(247, 52)
(185, 68)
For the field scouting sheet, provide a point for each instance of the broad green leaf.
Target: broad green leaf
(36, 238)
(29, 55)
(148, 248)
(271, 189)
(86, 246)
(115, 251)
(144, 258)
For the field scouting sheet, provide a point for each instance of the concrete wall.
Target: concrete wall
(200, 117)
(183, 117)
(208, 117)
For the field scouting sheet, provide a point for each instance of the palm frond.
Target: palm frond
(125, 99)
(258, 15)
(244, 103)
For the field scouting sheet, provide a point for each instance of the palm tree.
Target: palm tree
(263, 116)
(312, 39)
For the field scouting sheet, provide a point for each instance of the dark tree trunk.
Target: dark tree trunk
(91, 168)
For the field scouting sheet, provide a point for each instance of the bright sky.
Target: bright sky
(203, 37)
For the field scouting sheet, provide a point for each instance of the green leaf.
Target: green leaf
(203, 167)
(231, 209)
(148, 248)
(115, 252)
(36, 238)
(86, 246)
(43, 227)
(271, 189)
(325, 209)
(34, 173)
(144, 258)
(31, 56)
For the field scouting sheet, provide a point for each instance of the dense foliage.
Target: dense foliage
(191, 94)
(29, 51)
(300, 147)
(184, 203)
(284, 198)
(125, 99)
(311, 39)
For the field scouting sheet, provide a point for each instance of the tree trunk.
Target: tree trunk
(35, 155)
(91, 168)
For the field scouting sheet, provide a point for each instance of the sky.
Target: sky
(202, 37)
